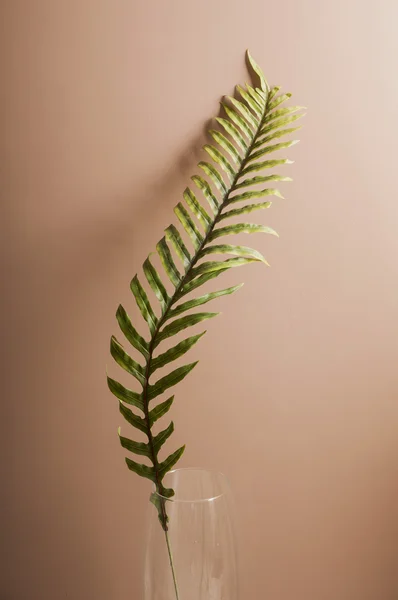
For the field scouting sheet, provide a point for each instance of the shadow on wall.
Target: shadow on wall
(64, 482)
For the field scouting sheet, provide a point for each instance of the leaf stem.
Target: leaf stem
(172, 565)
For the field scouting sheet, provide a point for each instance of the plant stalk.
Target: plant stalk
(172, 564)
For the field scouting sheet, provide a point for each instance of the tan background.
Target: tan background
(103, 107)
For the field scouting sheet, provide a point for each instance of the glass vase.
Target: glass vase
(195, 559)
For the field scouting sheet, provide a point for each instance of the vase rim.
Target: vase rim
(221, 476)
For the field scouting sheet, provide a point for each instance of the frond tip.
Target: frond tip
(248, 130)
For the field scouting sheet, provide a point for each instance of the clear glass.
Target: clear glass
(196, 558)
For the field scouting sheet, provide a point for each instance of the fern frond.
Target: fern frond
(249, 125)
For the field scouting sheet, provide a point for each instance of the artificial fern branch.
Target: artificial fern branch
(250, 124)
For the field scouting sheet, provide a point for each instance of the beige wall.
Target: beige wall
(103, 107)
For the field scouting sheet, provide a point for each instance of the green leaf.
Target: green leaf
(126, 362)
(256, 97)
(199, 281)
(250, 101)
(174, 237)
(217, 265)
(278, 100)
(158, 504)
(259, 72)
(168, 262)
(256, 194)
(174, 353)
(245, 209)
(220, 159)
(136, 447)
(206, 190)
(237, 250)
(260, 179)
(261, 93)
(161, 437)
(166, 492)
(189, 225)
(197, 209)
(237, 119)
(233, 132)
(142, 470)
(143, 304)
(156, 283)
(212, 172)
(125, 394)
(182, 323)
(135, 339)
(181, 308)
(273, 92)
(267, 164)
(169, 380)
(132, 418)
(245, 112)
(281, 112)
(281, 123)
(251, 122)
(275, 136)
(226, 144)
(159, 410)
(170, 461)
(241, 228)
(272, 148)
